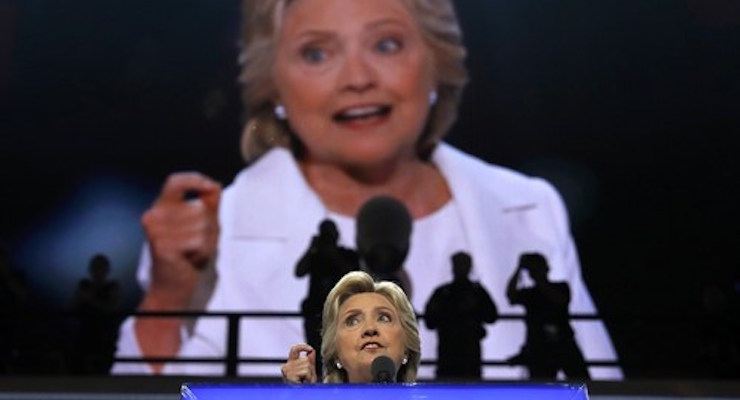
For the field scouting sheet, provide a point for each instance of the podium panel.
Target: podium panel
(205, 391)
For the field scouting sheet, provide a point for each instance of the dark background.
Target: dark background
(630, 107)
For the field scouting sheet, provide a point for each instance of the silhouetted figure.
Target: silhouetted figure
(97, 301)
(550, 345)
(327, 263)
(458, 311)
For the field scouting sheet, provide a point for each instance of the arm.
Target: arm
(489, 312)
(303, 266)
(182, 237)
(433, 312)
(512, 292)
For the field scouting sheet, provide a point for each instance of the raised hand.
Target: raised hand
(301, 365)
(183, 235)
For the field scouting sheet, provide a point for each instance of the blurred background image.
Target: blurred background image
(630, 108)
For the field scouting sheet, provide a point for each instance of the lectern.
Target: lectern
(421, 391)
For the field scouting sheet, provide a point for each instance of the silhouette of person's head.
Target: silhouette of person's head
(328, 231)
(536, 264)
(99, 267)
(461, 265)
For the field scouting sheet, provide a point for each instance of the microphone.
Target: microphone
(383, 236)
(383, 370)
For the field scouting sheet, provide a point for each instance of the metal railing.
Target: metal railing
(232, 359)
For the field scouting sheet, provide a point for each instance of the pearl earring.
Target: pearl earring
(433, 98)
(339, 365)
(280, 112)
(405, 361)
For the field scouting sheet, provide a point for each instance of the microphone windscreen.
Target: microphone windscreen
(383, 370)
(383, 222)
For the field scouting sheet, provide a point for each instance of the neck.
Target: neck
(343, 190)
(359, 378)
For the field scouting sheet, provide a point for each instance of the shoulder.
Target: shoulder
(266, 179)
(347, 252)
(270, 198)
(510, 188)
(443, 290)
(276, 163)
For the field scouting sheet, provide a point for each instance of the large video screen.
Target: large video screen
(628, 109)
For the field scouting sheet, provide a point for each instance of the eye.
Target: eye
(384, 317)
(313, 54)
(389, 46)
(352, 320)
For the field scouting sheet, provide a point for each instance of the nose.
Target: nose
(358, 74)
(370, 332)
(370, 329)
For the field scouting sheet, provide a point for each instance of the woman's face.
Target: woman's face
(368, 326)
(355, 78)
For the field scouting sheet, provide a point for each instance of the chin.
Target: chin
(376, 157)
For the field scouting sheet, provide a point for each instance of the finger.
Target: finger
(312, 361)
(296, 373)
(305, 369)
(308, 374)
(212, 198)
(180, 183)
(191, 235)
(296, 350)
(179, 216)
(313, 376)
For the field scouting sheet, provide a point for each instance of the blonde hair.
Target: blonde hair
(360, 282)
(261, 23)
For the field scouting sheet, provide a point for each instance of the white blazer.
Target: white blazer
(269, 213)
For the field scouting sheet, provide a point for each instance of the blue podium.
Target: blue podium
(206, 391)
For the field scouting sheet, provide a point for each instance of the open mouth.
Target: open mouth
(371, 346)
(362, 113)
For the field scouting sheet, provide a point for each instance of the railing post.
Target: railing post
(232, 345)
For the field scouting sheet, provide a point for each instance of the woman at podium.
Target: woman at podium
(369, 334)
